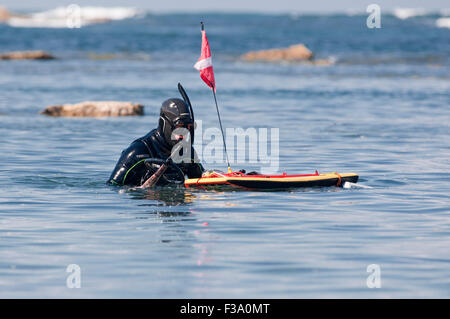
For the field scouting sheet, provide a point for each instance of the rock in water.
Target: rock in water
(95, 109)
(26, 55)
(294, 53)
(4, 14)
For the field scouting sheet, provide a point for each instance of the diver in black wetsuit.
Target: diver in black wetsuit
(134, 166)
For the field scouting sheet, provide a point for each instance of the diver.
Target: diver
(146, 154)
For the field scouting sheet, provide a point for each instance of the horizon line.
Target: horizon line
(351, 11)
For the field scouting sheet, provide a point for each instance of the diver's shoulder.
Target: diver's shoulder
(136, 145)
(147, 136)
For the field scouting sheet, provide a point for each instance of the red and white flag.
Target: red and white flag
(204, 63)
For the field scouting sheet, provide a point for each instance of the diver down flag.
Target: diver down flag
(204, 63)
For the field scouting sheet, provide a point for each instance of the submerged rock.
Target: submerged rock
(95, 109)
(26, 55)
(102, 56)
(294, 53)
(323, 62)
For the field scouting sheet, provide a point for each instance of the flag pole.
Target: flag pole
(218, 115)
(221, 129)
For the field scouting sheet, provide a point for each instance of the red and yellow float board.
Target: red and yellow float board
(238, 179)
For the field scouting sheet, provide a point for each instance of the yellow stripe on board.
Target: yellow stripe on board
(220, 180)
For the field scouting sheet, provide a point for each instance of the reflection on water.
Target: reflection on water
(165, 196)
(167, 216)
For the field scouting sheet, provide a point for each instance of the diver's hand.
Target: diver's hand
(156, 176)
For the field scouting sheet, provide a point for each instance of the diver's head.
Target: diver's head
(175, 113)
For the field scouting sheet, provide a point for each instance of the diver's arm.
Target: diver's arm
(131, 158)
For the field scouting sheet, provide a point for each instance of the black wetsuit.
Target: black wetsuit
(131, 168)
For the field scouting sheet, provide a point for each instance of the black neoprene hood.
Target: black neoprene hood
(174, 111)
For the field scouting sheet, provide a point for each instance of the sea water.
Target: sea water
(381, 109)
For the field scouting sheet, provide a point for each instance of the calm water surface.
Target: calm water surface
(382, 111)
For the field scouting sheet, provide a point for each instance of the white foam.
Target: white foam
(354, 185)
(23, 22)
(443, 23)
(405, 13)
(57, 18)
